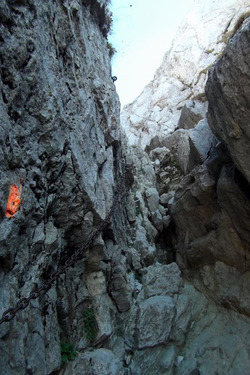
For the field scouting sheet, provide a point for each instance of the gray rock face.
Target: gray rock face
(227, 91)
(151, 311)
(59, 121)
(209, 218)
(152, 199)
(128, 308)
(211, 208)
(201, 141)
(180, 80)
(162, 280)
(188, 340)
(192, 112)
(204, 350)
(101, 361)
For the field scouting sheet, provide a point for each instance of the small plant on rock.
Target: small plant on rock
(68, 352)
(89, 324)
(112, 50)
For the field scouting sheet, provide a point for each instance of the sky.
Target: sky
(142, 33)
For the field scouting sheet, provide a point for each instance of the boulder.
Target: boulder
(161, 279)
(178, 143)
(165, 198)
(120, 290)
(201, 141)
(192, 112)
(157, 220)
(152, 199)
(151, 311)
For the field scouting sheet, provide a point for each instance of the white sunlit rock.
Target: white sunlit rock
(182, 75)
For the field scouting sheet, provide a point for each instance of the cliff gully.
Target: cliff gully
(124, 248)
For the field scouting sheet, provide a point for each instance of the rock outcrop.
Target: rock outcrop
(202, 177)
(213, 247)
(227, 91)
(60, 145)
(183, 73)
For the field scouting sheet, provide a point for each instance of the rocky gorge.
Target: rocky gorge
(158, 206)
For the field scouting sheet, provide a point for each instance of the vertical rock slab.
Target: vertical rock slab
(227, 90)
(59, 141)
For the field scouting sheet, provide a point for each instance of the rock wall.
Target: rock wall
(227, 92)
(212, 207)
(60, 145)
(180, 80)
(202, 176)
(200, 180)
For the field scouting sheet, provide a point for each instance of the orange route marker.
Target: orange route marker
(14, 200)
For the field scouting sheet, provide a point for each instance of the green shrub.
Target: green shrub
(175, 163)
(111, 49)
(101, 14)
(89, 324)
(108, 22)
(68, 352)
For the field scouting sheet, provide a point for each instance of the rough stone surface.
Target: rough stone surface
(162, 279)
(214, 233)
(59, 138)
(183, 73)
(101, 361)
(165, 198)
(229, 107)
(119, 289)
(201, 140)
(192, 112)
(152, 199)
(164, 289)
(206, 352)
(207, 202)
(211, 206)
(151, 311)
(179, 144)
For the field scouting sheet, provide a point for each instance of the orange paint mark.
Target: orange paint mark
(14, 200)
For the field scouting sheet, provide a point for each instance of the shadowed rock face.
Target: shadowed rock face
(59, 141)
(227, 90)
(212, 205)
(207, 200)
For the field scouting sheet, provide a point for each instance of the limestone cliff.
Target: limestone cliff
(162, 288)
(200, 172)
(180, 80)
(60, 145)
